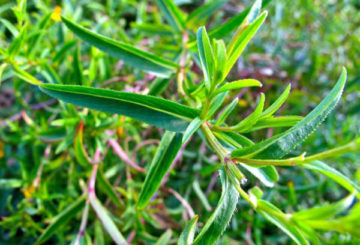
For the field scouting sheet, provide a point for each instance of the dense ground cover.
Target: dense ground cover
(179, 122)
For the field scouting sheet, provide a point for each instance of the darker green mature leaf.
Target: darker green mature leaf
(107, 188)
(131, 55)
(334, 175)
(61, 219)
(173, 15)
(168, 149)
(206, 55)
(187, 235)
(279, 145)
(220, 218)
(152, 110)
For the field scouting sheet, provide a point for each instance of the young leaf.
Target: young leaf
(191, 129)
(240, 40)
(244, 83)
(152, 110)
(107, 222)
(108, 189)
(267, 210)
(275, 122)
(226, 112)
(220, 60)
(131, 55)
(216, 103)
(234, 139)
(277, 104)
(249, 121)
(169, 147)
(173, 15)
(61, 219)
(187, 235)
(221, 216)
(335, 175)
(279, 145)
(206, 55)
(10, 183)
(325, 211)
(254, 12)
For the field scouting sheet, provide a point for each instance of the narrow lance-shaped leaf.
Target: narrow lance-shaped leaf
(107, 222)
(165, 238)
(206, 55)
(226, 112)
(240, 40)
(187, 235)
(131, 55)
(267, 175)
(333, 174)
(191, 129)
(277, 104)
(80, 153)
(174, 16)
(61, 219)
(219, 220)
(169, 147)
(249, 121)
(220, 60)
(325, 211)
(268, 211)
(244, 83)
(152, 110)
(279, 145)
(275, 122)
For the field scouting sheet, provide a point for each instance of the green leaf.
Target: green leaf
(277, 104)
(335, 175)
(187, 235)
(202, 13)
(241, 39)
(206, 55)
(278, 218)
(234, 139)
(201, 195)
(158, 86)
(216, 103)
(10, 27)
(275, 122)
(78, 70)
(250, 120)
(191, 129)
(61, 219)
(107, 188)
(244, 83)
(254, 12)
(10, 183)
(131, 55)
(226, 112)
(267, 175)
(281, 144)
(80, 153)
(220, 61)
(219, 219)
(174, 16)
(107, 222)
(165, 238)
(152, 110)
(325, 211)
(168, 149)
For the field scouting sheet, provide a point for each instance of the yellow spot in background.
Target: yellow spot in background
(28, 192)
(242, 103)
(56, 14)
(2, 153)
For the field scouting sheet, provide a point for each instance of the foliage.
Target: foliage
(94, 90)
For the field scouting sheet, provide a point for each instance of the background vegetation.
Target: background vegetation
(42, 176)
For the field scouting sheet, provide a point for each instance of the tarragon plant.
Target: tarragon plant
(201, 111)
